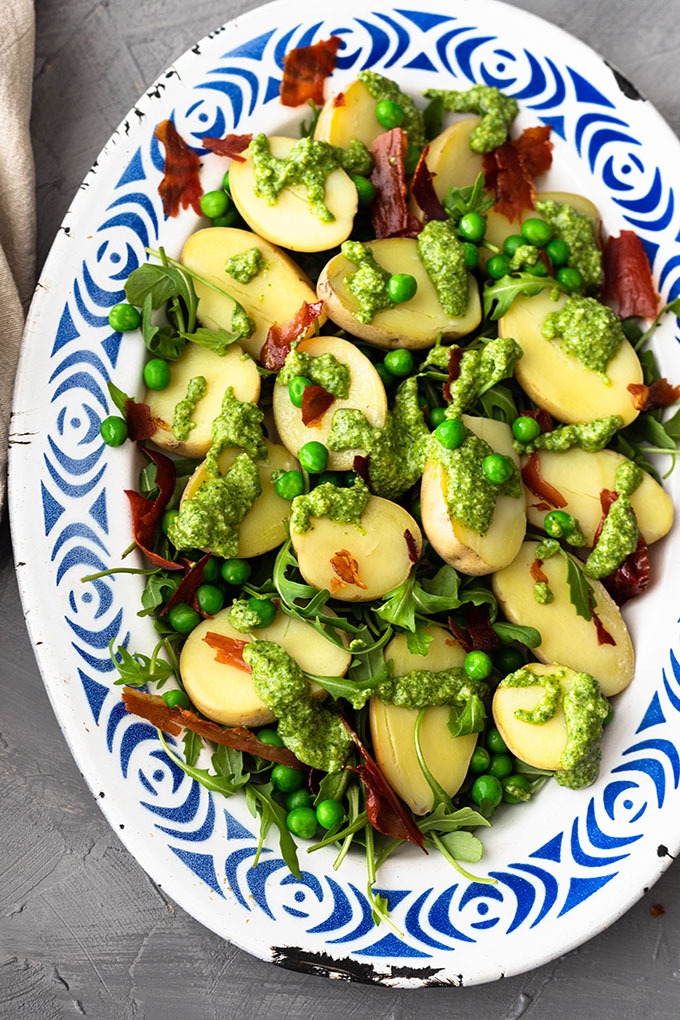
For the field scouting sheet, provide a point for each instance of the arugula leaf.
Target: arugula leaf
(418, 641)
(228, 763)
(215, 783)
(499, 404)
(356, 693)
(439, 594)
(581, 594)
(217, 340)
(499, 294)
(158, 589)
(192, 746)
(463, 846)
(119, 398)
(135, 670)
(471, 718)
(260, 800)
(528, 636)
(442, 820)
(433, 117)
(307, 128)
(157, 284)
(460, 201)
(160, 341)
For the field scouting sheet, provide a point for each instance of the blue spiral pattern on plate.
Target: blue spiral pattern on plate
(580, 858)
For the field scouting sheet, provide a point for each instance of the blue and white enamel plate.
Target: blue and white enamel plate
(565, 865)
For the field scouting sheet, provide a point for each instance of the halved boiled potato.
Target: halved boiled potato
(291, 221)
(463, 548)
(416, 323)
(369, 560)
(233, 369)
(541, 745)
(450, 159)
(348, 115)
(555, 379)
(393, 728)
(366, 394)
(225, 693)
(274, 295)
(498, 226)
(580, 477)
(566, 637)
(264, 526)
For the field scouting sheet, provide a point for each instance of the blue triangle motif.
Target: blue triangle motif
(95, 694)
(234, 828)
(550, 851)
(52, 510)
(273, 89)
(134, 171)
(98, 512)
(556, 123)
(391, 946)
(421, 62)
(202, 865)
(653, 716)
(587, 93)
(66, 331)
(112, 347)
(424, 19)
(581, 889)
(254, 48)
(393, 896)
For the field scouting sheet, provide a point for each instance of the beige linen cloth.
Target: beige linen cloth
(17, 197)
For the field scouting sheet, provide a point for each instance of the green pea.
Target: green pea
(301, 821)
(313, 457)
(495, 742)
(286, 780)
(264, 609)
(215, 203)
(497, 468)
(296, 387)
(477, 665)
(507, 659)
(113, 430)
(501, 766)
(183, 618)
(231, 218)
(516, 789)
(389, 114)
(525, 428)
(558, 251)
(176, 699)
(211, 570)
(329, 813)
(512, 243)
(402, 287)
(225, 182)
(399, 363)
(472, 227)
(437, 416)
(167, 519)
(450, 433)
(487, 792)
(235, 571)
(558, 523)
(269, 736)
(388, 380)
(298, 798)
(471, 254)
(480, 761)
(365, 189)
(498, 266)
(569, 278)
(123, 318)
(536, 231)
(289, 485)
(157, 374)
(210, 598)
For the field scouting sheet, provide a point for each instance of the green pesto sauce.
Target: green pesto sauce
(384, 88)
(628, 477)
(442, 253)
(585, 710)
(242, 617)
(182, 423)
(315, 735)
(543, 593)
(496, 110)
(309, 163)
(470, 496)
(588, 330)
(323, 370)
(547, 548)
(329, 500)
(479, 370)
(577, 230)
(211, 518)
(397, 452)
(369, 283)
(245, 267)
(239, 423)
(590, 436)
(618, 538)
(525, 256)
(422, 688)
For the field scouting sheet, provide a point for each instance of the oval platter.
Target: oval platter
(564, 866)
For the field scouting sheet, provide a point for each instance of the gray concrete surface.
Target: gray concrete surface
(83, 931)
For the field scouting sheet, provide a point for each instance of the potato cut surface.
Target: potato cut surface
(539, 745)
(347, 115)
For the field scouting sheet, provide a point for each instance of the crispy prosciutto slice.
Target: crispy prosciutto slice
(139, 421)
(228, 651)
(146, 513)
(281, 335)
(534, 481)
(628, 284)
(510, 169)
(390, 215)
(305, 70)
(315, 402)
(180, 185)
(346, 569)
(173, 720)
(231, 145)
(422, 189)
(186, 589)
(632, 576)
(660, 393)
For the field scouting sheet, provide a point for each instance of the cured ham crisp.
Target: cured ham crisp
(411, 546)
(146, 513)
(455, 359)
(173, 720)
(231, 145)
(347, 569)
(632, 576)
(510, 169)
(628, 285)
(534, 481)
(228, 650)
(186, 589)
(390, 215)
(139, 421)
(305, 70)
(315, 402)
(660, 393)
(280, 337)
(422, 189)
(181, 186)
